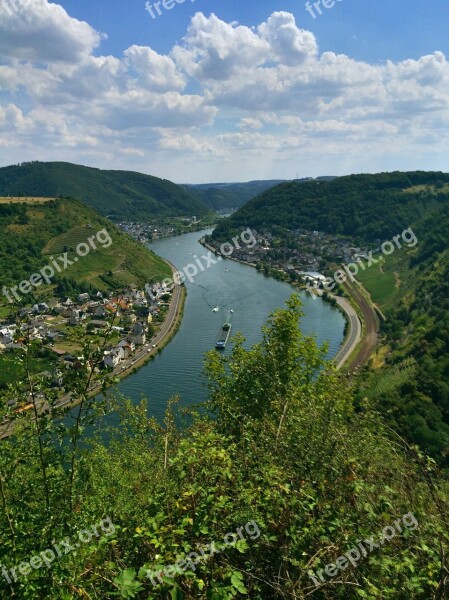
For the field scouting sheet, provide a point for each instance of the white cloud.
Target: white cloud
(40, 31)
(225, 94)
(154, 71)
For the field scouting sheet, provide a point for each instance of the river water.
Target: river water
(178, 370)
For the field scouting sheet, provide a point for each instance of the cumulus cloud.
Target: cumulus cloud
(289, 45)
(154, 71)
(40, 31)
(263, 91)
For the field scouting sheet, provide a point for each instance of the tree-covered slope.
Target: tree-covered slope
(117, 194)
(411, 387)
(222, 196)
(409, 381)
(31, 234)
(366, 206)
(283, 492)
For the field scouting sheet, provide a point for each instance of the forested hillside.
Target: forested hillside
(31, 234)
(370, 207)
(223, 196)
(412, 387)
(116, 194)
(409, 381)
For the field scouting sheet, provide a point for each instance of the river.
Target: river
(178, 370)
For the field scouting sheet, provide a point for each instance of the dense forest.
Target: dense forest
(275, 489)
(369, 207)
(417, 328)
(224, 196)
(120, 195)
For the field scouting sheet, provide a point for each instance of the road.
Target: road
(354, 335)
(144, 351)
(7, 428)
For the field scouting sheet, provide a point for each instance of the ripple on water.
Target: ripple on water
(178, 369)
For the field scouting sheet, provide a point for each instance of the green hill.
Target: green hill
(116, 194)
(228, 196)
(367, 206)
(32, 233)
(408, 379)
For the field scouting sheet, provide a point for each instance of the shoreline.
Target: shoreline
(347, 346)
(145, 354)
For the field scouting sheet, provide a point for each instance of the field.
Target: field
(69, 240)
(381, 285)
(391, 378)
(388, 281)
(17, 200)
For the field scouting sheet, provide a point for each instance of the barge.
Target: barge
(223, 336)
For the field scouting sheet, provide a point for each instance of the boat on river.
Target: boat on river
(223, 336)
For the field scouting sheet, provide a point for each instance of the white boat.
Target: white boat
(231, 311)
(216, 309)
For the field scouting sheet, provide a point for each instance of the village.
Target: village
(127, 323)
(299, 253)
(145, 232)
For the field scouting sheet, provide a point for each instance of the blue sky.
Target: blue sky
(363, 29)
(217, 90)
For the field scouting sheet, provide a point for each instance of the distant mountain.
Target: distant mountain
(226, 196)
(116, 194)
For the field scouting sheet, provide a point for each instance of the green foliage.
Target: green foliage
(411, 286)
(416, 401)
(223, 196)
(57, 227)
(118, 194)
(283, 450)
(369, 207)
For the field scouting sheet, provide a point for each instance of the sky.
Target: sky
(226, 90)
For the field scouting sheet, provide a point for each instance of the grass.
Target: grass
(388, 281)
(391, 378)
(4, 311)
(69, 240)
(381, 285)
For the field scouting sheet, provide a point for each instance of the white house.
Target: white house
(114, 357)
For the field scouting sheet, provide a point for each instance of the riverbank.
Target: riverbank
(203, 242)
(354, 333)
(156, 344)
(145, 354)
